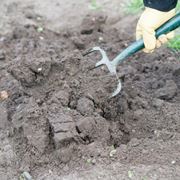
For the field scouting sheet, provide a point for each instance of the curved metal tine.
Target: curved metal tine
(105, 61)
(100, 63)
(88, 52)
(118, 89)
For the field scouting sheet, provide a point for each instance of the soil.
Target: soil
(57, 121)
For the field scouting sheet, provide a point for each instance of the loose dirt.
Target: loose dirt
(57, 121)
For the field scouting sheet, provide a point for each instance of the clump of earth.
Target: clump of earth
(58, 114)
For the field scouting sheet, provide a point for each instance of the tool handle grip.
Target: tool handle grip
(167, 27)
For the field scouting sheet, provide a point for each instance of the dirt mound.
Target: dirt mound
(58, 112)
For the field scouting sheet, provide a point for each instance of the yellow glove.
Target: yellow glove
(149, 21)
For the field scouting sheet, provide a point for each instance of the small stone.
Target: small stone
(157, 133)
(41, 37)
(50, 171)
(173, 162)
(39, 69)
(3, 95)
(38, 18)
(101, 39)
(93, 161)
(2, 39)
(133, 130)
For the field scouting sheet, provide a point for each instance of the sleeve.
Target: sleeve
(161, 5)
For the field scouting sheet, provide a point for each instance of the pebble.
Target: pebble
(101, 39)
(93, 161)
(38, 18)
(39, 69)
(173, 162)
(50, 172)
(3, 95)
(41, 37)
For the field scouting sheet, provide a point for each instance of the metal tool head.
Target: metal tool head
(104, 61)
(111, 67)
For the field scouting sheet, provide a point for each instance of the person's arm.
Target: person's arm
(156, 13)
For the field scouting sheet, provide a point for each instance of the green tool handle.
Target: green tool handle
(167, 27)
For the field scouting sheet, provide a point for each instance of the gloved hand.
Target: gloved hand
(149, 21)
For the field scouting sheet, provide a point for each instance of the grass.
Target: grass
(94, 5)
(174, 44)
(136, 6)
(178, 6)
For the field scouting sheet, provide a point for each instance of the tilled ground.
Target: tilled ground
(58, 115)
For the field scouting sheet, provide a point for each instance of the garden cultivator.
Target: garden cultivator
(167, 27)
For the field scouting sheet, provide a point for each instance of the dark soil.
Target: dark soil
(58, 114)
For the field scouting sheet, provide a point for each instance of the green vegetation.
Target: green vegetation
(130, 174)
(175, 43)
(40, 29)
(133, 6)
(178, 6)
(94, 5)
